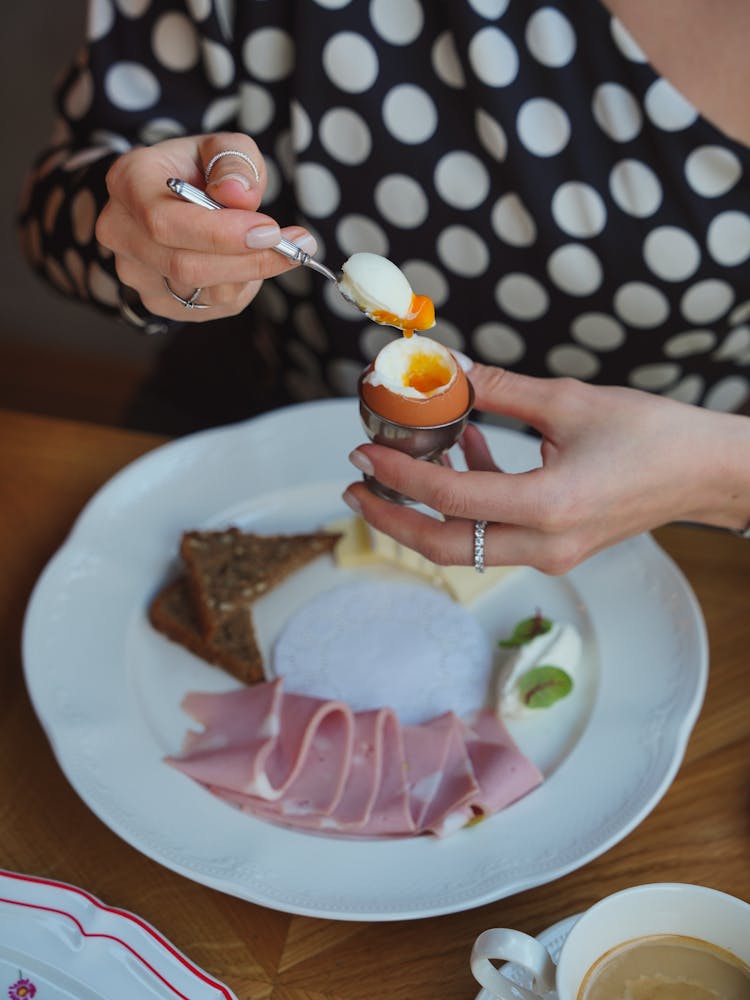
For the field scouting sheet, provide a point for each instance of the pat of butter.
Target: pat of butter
(360, 545)
(354, 547)
(391, 551)
(465, 584)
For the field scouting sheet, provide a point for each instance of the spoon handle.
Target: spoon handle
(293, 252)
(197, 197)
(192, 194)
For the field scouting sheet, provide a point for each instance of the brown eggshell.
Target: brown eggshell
(440, 408)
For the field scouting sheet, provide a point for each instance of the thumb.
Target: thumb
(236, 174)
(523, 397)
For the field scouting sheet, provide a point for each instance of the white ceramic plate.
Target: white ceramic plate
(58, 942)
(107, 687)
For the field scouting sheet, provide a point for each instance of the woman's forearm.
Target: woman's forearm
(104, 112)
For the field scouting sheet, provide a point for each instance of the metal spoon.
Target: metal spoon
(197, 197)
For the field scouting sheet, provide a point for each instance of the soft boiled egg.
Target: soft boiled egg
(376, 286)
(417, 382)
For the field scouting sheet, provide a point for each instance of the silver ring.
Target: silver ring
(191, 303)
(480, 527)
(232, 152)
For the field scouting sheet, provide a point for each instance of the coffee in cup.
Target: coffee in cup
(665, 941)
(667, 967)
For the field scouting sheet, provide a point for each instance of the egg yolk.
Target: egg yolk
(421, 316)
(426, 373)
(443, 396)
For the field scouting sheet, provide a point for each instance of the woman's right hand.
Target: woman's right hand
(155, 235)
(615, 462)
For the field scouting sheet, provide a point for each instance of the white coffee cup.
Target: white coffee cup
(660, 908)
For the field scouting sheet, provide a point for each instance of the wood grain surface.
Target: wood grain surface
(699, 832)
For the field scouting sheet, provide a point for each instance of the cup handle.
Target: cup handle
(501, 943)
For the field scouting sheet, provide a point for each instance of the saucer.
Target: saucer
(553, 938)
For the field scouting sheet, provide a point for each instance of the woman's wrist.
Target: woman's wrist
(134, 313)
(724, 473)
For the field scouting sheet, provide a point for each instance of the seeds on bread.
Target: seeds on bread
(208, 609)
(234, 648)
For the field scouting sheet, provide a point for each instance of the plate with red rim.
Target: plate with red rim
(62, 943)
(107, 688)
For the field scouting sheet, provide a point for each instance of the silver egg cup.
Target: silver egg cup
(426, 443)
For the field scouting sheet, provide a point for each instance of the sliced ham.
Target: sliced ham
(375, 802)
(316, 765)
(258, 741)
(439, 773)
(504, 774)
(312, 754)
(390, 814)
(240, 731)
(233, 718)
(365, 769)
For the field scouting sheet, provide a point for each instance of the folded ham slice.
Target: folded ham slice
(316, 765)
(441, 779)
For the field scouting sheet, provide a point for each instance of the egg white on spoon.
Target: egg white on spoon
(381, 290)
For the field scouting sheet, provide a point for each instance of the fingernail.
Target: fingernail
(360, 461)
(351, 501)
(463, 359)
(261, 237)
(240, 178)
(308, 243)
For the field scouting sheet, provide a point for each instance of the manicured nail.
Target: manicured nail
(262, 237)
(360, 461)
(240, 178)
(463, 359)
(308, 243)
(351, 501)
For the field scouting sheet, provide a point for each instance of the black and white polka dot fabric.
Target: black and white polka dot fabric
(566, 208)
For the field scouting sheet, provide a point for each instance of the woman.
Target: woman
(568, 181)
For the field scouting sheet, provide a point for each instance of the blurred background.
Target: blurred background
(55, 356)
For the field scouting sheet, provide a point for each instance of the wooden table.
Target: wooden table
(699, 832)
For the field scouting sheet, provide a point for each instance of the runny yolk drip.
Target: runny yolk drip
(426, 373)
(421, 316)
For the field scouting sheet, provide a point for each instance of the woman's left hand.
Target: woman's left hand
(615, 462)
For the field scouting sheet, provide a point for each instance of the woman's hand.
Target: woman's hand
(615, 462)
(155, 235)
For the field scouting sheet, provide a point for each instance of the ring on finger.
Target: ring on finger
(232, 152)
(480, 528)
(192, 302)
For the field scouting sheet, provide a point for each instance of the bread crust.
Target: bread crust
(234, 648)
(230, 569)
(208, 607)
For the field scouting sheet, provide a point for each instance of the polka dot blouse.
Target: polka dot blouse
(567, 209)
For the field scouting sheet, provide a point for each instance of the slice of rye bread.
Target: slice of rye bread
(233, 647)
(229, 570)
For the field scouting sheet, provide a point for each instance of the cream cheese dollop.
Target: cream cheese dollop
(561, 647)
